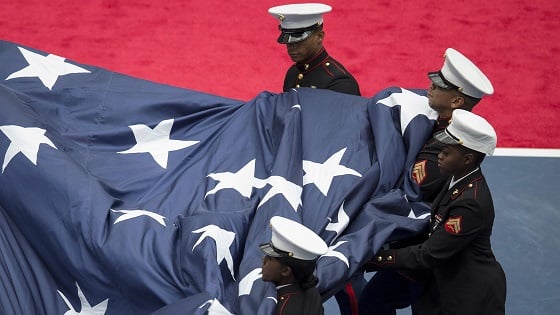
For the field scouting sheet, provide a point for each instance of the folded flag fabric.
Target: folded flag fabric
(124, 196)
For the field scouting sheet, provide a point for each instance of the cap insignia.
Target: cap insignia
(281, 17)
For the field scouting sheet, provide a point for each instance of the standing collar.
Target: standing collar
(452, 182)
(313, 61)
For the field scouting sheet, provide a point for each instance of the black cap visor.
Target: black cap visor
(269, 250)
(439, 81)
(288, 36)
(447, 137)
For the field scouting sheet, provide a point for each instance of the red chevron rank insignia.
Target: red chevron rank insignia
(453, 225)
(419, 172)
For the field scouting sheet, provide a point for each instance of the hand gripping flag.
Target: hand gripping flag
(123, 196)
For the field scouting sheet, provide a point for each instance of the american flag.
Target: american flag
(124, 196)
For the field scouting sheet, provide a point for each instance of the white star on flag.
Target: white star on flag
(322, 174)
(242, 180)
(156, 141)
(281, 186)
(86, 308)
(47, 69)
(24, 140)
(223, 239)
(216, 308)
(131, 214)
(246, 284)
(412, 215)
(343, 221)
(338, 255)
(412, 105)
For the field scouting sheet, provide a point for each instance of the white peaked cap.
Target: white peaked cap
(294, 16)
(298, 21)
(296, 239)
(464, 74)
(469, 130)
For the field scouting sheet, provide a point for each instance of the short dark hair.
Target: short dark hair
(478, 156)
(469, 102)
(303, 270)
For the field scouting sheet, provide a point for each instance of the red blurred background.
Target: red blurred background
(229, 48)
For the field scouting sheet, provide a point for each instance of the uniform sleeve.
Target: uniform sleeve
(345, 85)
(426, 173)
(461, 227)
(451, 237)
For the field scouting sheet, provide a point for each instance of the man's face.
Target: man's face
(304, 50)
(451, 160)
(442, 100)
(272, 270)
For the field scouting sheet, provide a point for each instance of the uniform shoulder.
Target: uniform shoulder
(335, 68)
(471, 189)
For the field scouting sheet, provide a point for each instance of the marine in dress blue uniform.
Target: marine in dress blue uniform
(390, 290)
(460, 74)
(301, 31)
(466, 278)
(289, 262)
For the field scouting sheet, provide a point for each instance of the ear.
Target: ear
(321, 36)
(286, 271)
(468, 159)
(457, 102)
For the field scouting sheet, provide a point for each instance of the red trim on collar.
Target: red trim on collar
(313, 63)
(455, 195)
